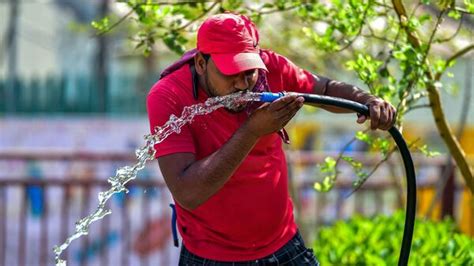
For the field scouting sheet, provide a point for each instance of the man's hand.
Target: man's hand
(382, 114)
(271, 117)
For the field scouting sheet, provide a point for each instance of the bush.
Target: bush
(377, 241)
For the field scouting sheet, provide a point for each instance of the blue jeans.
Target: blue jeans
(292, 253)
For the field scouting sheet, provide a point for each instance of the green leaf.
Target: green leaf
(330, 163)
(101, 25)
(424, 18)
(469, 6)
(424, 149)
(362, 136)
(329, 168)
(454, 14)
(318, 187)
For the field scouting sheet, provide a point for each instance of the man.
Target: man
(227, 170)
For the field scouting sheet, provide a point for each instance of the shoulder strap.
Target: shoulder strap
(195, 80)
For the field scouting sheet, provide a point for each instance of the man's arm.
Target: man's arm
(382, 113)
(192, 182)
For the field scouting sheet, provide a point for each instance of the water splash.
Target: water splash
(127, 173)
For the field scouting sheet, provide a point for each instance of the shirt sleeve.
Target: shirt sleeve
(284, 75)
(161, 104)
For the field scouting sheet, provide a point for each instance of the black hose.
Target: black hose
(407, 161)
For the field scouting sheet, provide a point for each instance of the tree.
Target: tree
(391, 45)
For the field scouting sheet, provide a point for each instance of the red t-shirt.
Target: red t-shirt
(251, 216)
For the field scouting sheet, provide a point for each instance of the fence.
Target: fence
(125, 93)
(138, 232)
(37, 214)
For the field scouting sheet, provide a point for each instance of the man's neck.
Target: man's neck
(203, 85)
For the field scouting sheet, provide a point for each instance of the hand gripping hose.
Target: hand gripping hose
(402, 147)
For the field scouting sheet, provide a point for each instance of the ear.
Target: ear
(200, 64)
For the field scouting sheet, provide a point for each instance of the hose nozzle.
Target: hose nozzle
(270, 96)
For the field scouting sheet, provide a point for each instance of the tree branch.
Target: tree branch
(361, 26)
(430, 41)
(460, 53)
(260, 12)
(462, 10)
(376, 37)
(341, 153)
(387, 156)
(382, 5)
(172, 3)
(455, 33)
(462, 124)
(417, 107)
(456, 55)
(198, 17)
(132, 10)
(116, 23)
(415, 9)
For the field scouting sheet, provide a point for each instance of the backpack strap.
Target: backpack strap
(173, 226)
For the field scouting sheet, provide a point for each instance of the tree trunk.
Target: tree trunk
(101, 69)
(436, 106)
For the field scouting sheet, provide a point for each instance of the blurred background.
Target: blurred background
(72, 110)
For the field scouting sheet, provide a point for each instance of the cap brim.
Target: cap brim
(230, 64)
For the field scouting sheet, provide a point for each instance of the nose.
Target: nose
(242, 81)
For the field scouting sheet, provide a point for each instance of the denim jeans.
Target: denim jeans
(293, 252)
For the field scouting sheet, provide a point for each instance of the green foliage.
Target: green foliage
(343, 20)
(381, 144)
(175, 41)
(469, 6)
(444, 4)
(366, 66)
(377, 241)
(358, 168)
(428, 153)
(231, 4)
(454, 14)
(364, 36)
(328, 168)
(101, 25)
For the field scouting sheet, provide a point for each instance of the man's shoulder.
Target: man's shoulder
(268, 56)
(272, 59)
(176, 84)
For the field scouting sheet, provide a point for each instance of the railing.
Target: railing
(64, 94)
(54, 216)
(36, 214)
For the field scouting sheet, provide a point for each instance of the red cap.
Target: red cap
(232, 42)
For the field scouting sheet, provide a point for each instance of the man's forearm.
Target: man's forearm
(205, 177)
(333, 88)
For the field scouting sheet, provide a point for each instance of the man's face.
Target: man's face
(218, 84)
